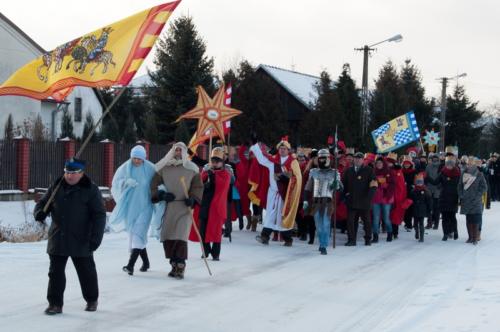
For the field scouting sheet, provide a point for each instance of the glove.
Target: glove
(164, 196)
(40, 216)
(305, 205)
(131, 183)
(189, 202)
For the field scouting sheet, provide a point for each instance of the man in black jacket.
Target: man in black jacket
(76, 231)
(359, 188)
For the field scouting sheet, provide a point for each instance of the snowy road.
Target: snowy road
(398, 286)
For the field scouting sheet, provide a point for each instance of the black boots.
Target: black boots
(145, 260)
(91, 306)
(375, 238)
(129, 268)
(422, 231)
(322, 251)
(469, 232)
(53, 310)
(389, 236)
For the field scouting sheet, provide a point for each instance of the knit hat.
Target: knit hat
(138, 152)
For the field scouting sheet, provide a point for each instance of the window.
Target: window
(78, 109)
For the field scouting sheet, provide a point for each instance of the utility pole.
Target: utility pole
(442, 132)
(364, 89)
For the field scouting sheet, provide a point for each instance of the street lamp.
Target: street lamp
(444, 84)
(364, 92)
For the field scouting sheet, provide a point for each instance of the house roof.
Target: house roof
(299, 85)
(39, 48)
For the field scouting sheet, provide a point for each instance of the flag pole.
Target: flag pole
(335, 164)
(84, 145)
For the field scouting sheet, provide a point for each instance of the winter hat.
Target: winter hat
(138, 152)
(74, 165)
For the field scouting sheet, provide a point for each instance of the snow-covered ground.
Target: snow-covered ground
(398, 286)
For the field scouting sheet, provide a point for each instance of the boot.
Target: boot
(469, 232)
(129, 268)
(263, 238)
(429, 225)
(180, 271)
(375, 238)
(322, 251)
(422, 231)
(255, 220)
(145, 260)
(445, 237)
(53, 309)
(389, 237)
(455, 235)
(240, 225)
(173, 272)
(249, 222)
(417, 233)
(368, 241)
(91, 306)
(474, 232)
(350, 244)
(478, 237)
(275, 236)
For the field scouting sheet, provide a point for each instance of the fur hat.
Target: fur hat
(217, 152)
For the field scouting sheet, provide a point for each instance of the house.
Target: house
(17, 49)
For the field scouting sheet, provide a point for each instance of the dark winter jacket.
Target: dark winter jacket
(448, 179)
(409, 174)
(78, 218)
(422, 202)
(358, 189)
(471, 198)
(432, 172)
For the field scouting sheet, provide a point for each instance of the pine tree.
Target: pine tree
(320, 123)
(9, 128)
(87, 127)
(462, 122)
(67, 125)
(350, 108)
(415, 99)
(258, 98)
(125, 118)
(38, 131)
(150, 130)
(389, 99)
(181, 66)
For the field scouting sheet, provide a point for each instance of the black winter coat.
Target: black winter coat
(422, 202)
(78, 218)
(357, 189)
(448, 201)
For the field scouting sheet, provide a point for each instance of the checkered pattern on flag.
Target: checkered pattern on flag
(396, 133)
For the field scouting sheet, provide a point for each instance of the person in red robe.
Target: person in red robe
(400, 195)
(212, 214)
(258, 180)
(241, 182)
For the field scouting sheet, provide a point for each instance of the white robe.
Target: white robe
(274, 209)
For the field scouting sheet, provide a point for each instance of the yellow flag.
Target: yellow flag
(108, 56)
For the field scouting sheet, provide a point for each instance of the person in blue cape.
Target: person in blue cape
(133, 211)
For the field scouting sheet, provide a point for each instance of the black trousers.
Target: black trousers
(306, 225)
(87, 275)
(212, 248)
(408, 217)
(352, 224)
(449, 222)
(286, 235)
(434, 219)
(419, 227)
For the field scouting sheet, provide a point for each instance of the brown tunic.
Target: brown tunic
(178, 219)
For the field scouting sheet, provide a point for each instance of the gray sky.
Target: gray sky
(443, 37)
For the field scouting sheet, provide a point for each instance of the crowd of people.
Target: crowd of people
(294, 194)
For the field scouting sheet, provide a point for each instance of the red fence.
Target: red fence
(25, 164)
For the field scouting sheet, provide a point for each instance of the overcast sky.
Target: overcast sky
(443, 37)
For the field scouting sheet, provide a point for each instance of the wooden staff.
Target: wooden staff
(183, 181)
(84, 145)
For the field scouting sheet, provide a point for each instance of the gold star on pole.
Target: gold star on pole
(211, 113)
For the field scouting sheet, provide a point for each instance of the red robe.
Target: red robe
(400, 194)
(258, 179)
(218, 208)
(242, 170)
